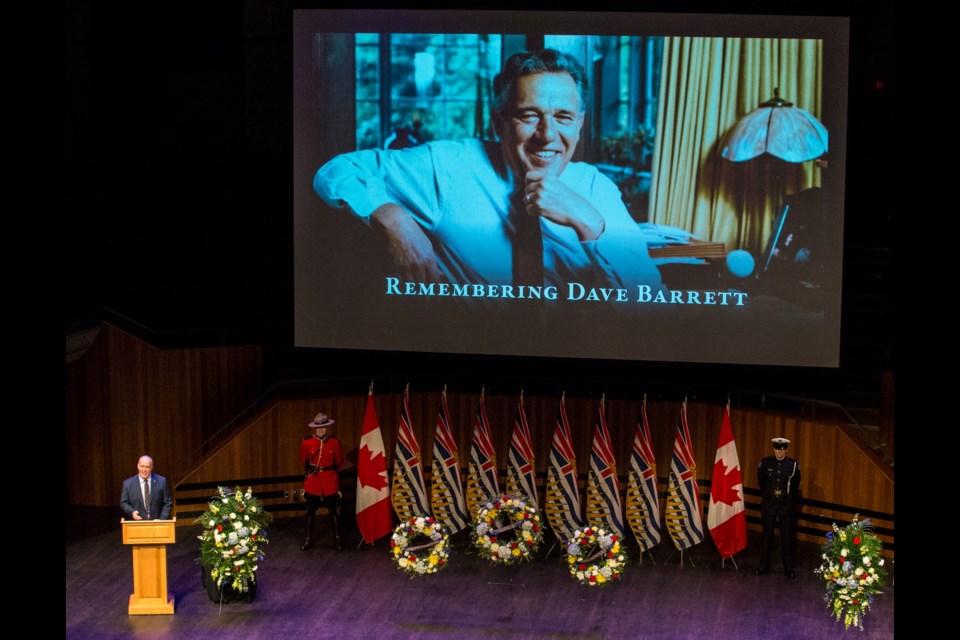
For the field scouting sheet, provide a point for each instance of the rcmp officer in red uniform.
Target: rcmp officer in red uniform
(321, 457)
(779, 479)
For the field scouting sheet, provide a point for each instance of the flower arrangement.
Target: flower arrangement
(595, 556)
(233, 536)
(420, 546)
(507, 530)
(853, 570)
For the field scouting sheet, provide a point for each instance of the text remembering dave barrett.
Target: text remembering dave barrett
(573, 291)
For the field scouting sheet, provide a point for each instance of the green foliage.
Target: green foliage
(234, 533)
(853, 570)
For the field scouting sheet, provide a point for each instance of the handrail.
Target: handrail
(394, 383)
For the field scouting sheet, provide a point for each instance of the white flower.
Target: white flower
(606, 572)
(233, 516)
(213, 523)
(246, 518)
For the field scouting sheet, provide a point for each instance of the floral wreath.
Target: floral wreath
(595, 556)
(853, 570)
(233, 536)
(420, 546)
(507, 530)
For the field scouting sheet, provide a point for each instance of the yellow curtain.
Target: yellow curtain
(707, 85)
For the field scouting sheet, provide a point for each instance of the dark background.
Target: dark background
(178, 200)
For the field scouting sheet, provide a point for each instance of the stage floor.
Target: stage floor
(359, 594)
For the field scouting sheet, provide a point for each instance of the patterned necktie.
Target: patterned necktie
(146, 495)
(527, 244)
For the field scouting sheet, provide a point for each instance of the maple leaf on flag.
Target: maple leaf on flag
(727, 494)
(367, 471)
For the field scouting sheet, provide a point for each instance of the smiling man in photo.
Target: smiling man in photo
(517, 212)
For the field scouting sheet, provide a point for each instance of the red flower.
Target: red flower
(856, 540)
(513, 545)
(593, 578)
(412, 558)
(609, 554)
(429, 520)
(253, 537)
(855, 602)
(587, 531)
(219, 527)
(493, 538)
(613, 537)
(583, 567)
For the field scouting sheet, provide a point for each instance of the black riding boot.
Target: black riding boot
(308, 541)
(335, 521)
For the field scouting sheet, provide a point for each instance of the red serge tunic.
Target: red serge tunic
(321, 460)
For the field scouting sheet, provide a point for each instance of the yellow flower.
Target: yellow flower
(600, 579)
(433, 559)
(396, 551)
(516, 552)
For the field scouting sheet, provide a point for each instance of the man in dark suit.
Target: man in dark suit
(146, 496)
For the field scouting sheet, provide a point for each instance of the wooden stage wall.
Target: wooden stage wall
(838, 477)
(125, 398)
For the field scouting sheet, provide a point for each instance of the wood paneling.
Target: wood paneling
(125, 398)
(836, 472)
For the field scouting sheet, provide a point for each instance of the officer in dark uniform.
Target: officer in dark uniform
(779, 479)
(321, 457)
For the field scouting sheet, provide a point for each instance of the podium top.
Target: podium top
(149, 531)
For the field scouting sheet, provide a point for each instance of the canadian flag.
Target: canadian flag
(727, 518)
(373, 495)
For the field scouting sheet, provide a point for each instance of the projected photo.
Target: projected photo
(634, 196)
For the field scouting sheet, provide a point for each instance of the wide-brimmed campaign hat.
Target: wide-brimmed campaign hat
(321, 420)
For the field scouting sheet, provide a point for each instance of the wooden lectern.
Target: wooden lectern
(149, 539)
